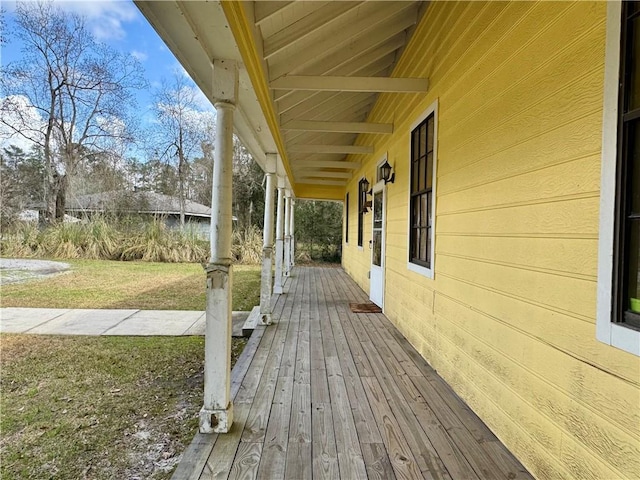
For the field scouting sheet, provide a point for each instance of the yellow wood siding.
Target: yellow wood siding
(509, 318)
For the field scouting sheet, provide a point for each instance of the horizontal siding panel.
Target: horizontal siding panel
(536, 287)
(537, 69)
(577, 217)
(535, 419)
(538, 460)
(490, 136)
(520, 341)
(560, 256)
(566, 143)
(508, 319)
(581, 424)
(563, 180)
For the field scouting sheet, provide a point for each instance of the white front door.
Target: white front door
(376, 288)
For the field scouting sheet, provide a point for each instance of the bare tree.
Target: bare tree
(181, 129)
(69, 95)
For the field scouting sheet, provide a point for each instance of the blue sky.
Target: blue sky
(119, 24)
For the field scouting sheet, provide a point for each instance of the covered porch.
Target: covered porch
(327, 393)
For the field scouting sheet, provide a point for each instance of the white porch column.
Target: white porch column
(287, 234)
(217, 412)
(277, 287)
(267, 248)
(293, 235)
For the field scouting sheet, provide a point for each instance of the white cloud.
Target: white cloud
(104, 17)
(18, 111)
(140, 56)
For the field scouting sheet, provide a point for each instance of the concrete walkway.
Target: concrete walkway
(60, 321)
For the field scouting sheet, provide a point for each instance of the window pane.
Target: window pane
(633, 265)
(377, 248)
(633, 157)
(634, 68)
(423, 244)
(423, 139)
(377, 210)
(430, 170)
(428, 252)
(425, 210)
(415, 212)
(414, 150)
(414, 176)
(430, 133)
(422, 174)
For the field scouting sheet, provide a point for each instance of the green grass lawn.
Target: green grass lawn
(106, 407)
(147, 286)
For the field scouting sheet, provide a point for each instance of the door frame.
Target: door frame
(380, 187)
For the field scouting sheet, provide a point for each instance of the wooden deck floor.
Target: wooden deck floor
(332, 394)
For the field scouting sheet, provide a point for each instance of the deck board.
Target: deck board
(330, 394)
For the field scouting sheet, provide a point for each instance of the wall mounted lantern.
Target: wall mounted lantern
(385, 173)
(364, 191)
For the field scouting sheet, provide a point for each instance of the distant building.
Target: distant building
(145, 204)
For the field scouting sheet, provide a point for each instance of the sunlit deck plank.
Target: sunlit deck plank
(333, 394)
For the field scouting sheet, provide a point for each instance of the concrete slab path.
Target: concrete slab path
(61, 321)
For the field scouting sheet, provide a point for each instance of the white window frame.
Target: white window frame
(611, 333)
(427, 272)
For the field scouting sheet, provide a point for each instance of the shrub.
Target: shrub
(123, 239)
(247, 246)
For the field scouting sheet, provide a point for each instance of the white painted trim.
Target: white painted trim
(427, 272)
(380, 187)
(607, 331)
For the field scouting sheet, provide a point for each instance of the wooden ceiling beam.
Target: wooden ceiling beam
(359, 65)
(348, 127)
(266, 10)
(322, 174)
(320, 19)
(309, 50)
(328, 101)
(312, 181)
(357, 149)
(307, 165)
(351, 84)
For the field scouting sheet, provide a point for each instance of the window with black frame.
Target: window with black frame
(362, 199)
(346, 219)
(626, 281)
(421, 235)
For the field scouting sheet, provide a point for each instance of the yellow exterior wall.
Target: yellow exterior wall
(509, 318)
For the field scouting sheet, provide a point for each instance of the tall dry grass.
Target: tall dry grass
(128, 239)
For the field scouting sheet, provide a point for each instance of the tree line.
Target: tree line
(71, 100)
(68, 125)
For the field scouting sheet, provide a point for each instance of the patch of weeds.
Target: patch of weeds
(98, 407)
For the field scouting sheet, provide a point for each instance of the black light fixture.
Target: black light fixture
(385, 173)
(364, 191)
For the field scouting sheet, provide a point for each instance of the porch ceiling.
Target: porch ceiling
(325, 64)
(312, 72)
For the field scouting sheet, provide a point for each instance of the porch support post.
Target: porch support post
(267, 248)
(277, 288)
(216, 414)
(293, 235)
(287, 234)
